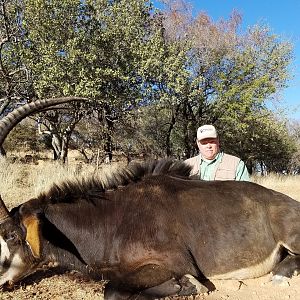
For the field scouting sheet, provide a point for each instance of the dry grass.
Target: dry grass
(19, 182)
(289, 185)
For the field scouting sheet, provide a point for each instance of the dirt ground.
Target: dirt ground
(48, 285)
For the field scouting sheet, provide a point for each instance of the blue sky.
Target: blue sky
(283, 19)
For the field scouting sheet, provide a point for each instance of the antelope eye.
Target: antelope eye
(10, 236)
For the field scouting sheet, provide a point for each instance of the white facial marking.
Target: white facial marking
(4, 251)
(14, 271)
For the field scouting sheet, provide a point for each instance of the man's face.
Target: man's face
(209, 147)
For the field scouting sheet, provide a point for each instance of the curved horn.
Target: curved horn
(4, 213)
(13, 118)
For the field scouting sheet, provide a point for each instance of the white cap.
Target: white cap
(206, 131)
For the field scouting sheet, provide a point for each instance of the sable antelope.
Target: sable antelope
(146, 226)
(147, 234)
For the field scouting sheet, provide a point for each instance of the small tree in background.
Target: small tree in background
(294, 162)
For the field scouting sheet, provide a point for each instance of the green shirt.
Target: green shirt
(207, 168)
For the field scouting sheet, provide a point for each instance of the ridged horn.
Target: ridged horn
(4, 213)
(13, 118)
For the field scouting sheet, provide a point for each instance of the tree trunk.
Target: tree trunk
(109, 124)
(2, 151)
(188, 146)
(169, 132)
(56, 146)
(65, 147)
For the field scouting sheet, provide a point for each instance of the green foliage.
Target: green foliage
(153, 77)
(15, 81)
(100, 50)
(229, 78)
(23, 136)
(95, 49)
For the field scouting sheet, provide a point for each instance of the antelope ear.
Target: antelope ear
(31, 224)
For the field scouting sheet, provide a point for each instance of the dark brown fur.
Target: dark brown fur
(150, 225)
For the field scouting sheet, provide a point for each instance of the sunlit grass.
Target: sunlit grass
(19, 182)
(287, 184)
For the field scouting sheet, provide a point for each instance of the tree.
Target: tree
(23, 136)
(15, 79)
(98, 49)
(294, 162)
(226, 79)
(59, 126)
(163, 73)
